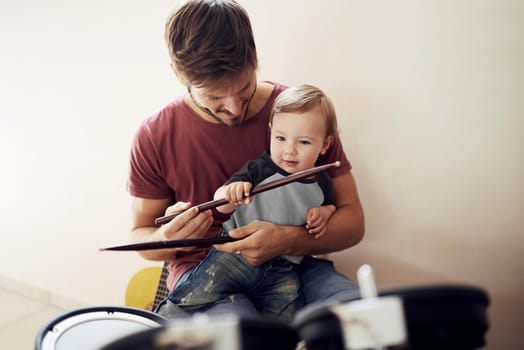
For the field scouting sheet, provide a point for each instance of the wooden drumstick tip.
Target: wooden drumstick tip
(337, 163)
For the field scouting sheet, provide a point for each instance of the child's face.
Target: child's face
(297, 139)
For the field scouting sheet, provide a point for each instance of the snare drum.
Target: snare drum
(436, 317)
(93, 327)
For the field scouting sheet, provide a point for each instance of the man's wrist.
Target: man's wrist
(293, 239)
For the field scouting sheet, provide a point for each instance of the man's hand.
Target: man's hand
(189, 224)
(259, 242)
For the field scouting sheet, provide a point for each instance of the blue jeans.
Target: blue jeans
(319, 281)
(273, 288)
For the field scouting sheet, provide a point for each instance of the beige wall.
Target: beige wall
(429, 96)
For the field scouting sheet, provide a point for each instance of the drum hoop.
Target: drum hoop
(60, 328)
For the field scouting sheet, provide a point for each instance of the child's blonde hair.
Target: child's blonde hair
(302, 98)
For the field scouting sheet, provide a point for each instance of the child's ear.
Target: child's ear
(325, 146)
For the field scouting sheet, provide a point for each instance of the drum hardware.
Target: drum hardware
(372, 322)
(428, 318)
(448, 317)
(201, 332)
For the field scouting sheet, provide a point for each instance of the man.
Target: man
(194, 144)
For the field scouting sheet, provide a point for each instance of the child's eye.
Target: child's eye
(304, 142)
(280, 138)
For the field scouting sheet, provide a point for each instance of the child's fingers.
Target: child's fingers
(315, 222)
(318, 235)
(239, 193)
(246, 199)
(247, 189)
(312, 230)
(317, 231)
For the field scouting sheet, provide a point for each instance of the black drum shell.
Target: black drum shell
(256, 334)
(437, 317)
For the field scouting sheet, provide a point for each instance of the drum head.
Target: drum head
(92, 328)
(437, 317)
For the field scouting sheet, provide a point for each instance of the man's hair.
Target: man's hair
(303, 98)
(210, 41)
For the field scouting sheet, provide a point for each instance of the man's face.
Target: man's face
(227, 106)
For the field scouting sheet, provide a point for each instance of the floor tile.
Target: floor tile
(15, 307)
(21, 334)
(23, 289)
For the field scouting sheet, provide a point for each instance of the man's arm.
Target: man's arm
(266, 240)
(346, 225)
(190, 224)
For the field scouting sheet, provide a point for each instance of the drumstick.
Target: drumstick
(176, 243)
(258, 189)
(206, 242)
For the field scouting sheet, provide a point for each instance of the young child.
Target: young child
(303, 124)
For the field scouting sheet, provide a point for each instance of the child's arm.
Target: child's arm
(317, 218)
(235, 193)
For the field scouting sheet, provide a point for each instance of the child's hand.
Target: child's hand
(238, 192)
(317, 218)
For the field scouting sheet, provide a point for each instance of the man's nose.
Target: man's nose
(233, 104)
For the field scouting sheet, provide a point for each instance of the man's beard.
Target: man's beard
(236, 121)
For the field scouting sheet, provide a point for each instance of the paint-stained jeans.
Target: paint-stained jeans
(320, 283)
(273, 287)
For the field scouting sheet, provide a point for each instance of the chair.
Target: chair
(161, 290)
(147, 288)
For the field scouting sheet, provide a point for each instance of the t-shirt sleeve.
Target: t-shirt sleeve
(253, 171)
(145, 178)
(326, 184)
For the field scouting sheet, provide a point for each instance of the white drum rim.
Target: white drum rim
(55, 332)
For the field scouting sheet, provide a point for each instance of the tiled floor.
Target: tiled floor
(24, 311)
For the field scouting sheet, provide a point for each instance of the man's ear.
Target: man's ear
(327, 143)
(179, 75)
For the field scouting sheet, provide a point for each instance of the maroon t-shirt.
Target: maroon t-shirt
(177, 154)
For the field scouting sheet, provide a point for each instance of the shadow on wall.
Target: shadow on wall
(389, 273)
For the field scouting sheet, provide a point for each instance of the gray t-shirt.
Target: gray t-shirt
(285, 205)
